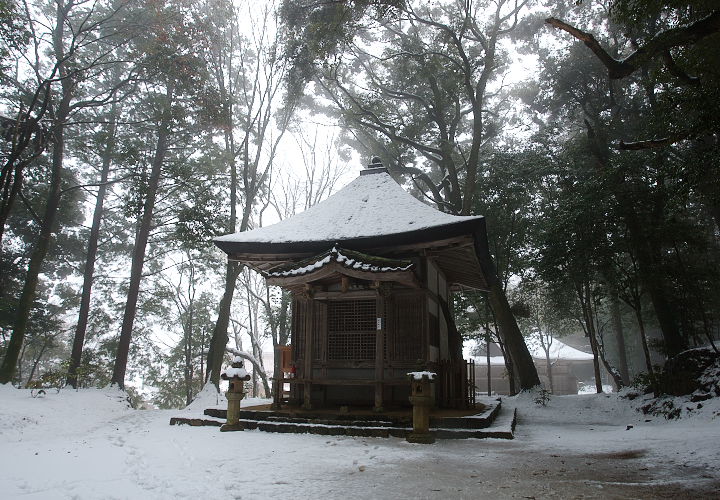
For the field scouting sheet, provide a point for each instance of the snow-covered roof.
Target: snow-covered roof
(494, 360)
(370, 206)
(375, 214)
(558, 350)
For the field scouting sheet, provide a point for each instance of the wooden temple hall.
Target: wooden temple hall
(371, 270)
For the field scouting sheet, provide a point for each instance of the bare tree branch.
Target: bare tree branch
(657, 45)
(651, 143)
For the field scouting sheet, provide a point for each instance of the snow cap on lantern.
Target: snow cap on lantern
(236, 371)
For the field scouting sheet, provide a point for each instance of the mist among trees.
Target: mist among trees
(132, 133)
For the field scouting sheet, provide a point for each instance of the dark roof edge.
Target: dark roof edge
(374, 170)
(426, 235)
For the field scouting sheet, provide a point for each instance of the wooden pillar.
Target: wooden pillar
(308, 364)
(324, 349)
(278, 380)
(379, 350)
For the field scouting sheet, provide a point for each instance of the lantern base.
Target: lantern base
(232, 427)
(422, 438)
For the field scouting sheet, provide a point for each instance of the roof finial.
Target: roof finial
(374, 167)
(375, 162)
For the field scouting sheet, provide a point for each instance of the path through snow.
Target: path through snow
(88, 444)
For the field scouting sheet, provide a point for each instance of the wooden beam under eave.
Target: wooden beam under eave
(461, 267)
(350, 294)
(268, 257)
(455, 242)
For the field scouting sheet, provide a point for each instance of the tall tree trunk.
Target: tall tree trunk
(188, 330)
(257, 352)
(257, 95)
(708, 183)
(220, 337)
(141, 240)
(549, 372)
(188, 365)
(27, 126)
(12, 179)
(548, 363)
(612, 371)
(509, 368)
(646, 351)
(47, 228)
(36, 362)
(20, 326)
(583, 294)
(507, 326)
(21, 359)
(83, 314)
(599, 343)
(596, 343)
(478, 101)
(596, 363)
(619, 334)
(645, 243)
(653, 279)
(252, 332)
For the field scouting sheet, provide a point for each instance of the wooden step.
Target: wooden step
(195, 422)
(491, 423)
(478, 421)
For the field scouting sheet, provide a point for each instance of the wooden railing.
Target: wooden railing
(455, 385)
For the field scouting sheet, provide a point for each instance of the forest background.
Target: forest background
(133, 132)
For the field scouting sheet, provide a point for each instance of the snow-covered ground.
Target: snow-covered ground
(89, 444)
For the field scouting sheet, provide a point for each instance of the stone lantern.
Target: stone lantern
(236, 375)
(422, 399)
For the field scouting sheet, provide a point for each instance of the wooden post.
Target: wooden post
(379, 352)
(282, 362)
(307, 369)
(277, 390)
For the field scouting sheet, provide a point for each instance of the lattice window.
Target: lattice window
(408, 327)
(351, 330)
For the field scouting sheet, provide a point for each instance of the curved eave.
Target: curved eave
(334, 268)
(349, 259)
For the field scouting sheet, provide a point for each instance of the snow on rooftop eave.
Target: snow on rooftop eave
(370, 207)
(560, 350)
